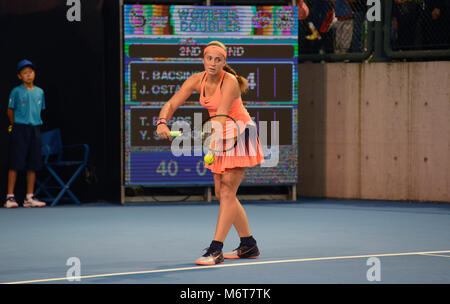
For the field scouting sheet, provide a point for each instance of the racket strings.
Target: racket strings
(218, 138)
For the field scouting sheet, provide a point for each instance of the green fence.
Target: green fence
(338, 30)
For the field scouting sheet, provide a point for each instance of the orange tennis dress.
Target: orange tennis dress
(248, 151)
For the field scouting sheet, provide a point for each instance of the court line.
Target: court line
(438, 255)
(232, 265)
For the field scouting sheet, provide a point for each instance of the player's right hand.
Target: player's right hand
(10, 128)
(163, 131)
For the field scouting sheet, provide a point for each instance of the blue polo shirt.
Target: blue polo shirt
(27, 105)
(342, 9)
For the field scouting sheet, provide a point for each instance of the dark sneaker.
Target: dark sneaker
(210, 258)
(10, 203)
(243, 252)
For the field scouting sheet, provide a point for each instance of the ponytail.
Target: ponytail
(243, 83)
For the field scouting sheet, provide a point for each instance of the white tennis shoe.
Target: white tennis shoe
(33, 202)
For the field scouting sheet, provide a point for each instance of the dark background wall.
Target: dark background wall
(77, 66)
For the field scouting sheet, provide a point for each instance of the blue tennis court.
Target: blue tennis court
(307, 241)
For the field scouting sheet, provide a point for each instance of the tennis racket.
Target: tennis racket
(218, 141)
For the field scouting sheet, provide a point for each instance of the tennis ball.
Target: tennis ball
(209, 159)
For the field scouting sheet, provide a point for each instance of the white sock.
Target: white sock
(9, 195)
(29, 196)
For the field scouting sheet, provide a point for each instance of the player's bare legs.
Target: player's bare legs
(240, 220)
(235, 213)
(229, 184)
(229, 207)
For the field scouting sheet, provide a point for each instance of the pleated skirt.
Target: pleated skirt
(247, 152)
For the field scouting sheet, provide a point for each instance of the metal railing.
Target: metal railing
(414, 29)
(408, 30)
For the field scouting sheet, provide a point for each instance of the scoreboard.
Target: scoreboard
(155, 81)
(163, 46)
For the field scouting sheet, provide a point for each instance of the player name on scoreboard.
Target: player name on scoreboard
(268, 82)
(143, 123)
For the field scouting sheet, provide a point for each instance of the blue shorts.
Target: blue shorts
(25, 148)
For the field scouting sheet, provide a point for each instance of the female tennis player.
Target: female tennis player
(220, 89)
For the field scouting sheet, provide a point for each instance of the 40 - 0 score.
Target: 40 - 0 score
(170, 168)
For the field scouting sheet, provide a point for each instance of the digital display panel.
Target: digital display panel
(163, 46)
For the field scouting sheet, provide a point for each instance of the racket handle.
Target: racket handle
(175, 133)
(178, 133)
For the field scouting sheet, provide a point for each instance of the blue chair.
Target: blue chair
(52, 152)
